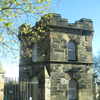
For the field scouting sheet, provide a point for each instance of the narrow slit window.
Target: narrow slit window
(34, 58)
(71, 51)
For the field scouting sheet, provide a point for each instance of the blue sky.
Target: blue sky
(72, 10)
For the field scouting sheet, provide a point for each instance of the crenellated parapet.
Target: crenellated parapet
(56, 20)
(56, 23)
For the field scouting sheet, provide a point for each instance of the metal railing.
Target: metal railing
(20, 90)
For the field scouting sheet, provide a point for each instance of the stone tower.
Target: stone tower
(61, 60)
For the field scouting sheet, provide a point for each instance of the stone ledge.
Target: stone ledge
(71, 27)
(68, 62)
(2, 72)
(57, 61)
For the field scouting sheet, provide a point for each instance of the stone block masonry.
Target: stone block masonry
(64, 57)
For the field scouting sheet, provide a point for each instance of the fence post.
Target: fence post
(1, 82)
(95, 90)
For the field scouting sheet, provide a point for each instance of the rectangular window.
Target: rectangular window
(34, 58)
(71, 51)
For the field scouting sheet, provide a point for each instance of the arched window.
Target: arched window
(34, 57)
(72, 90)
(71, 51)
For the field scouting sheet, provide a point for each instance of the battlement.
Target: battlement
(56, 20)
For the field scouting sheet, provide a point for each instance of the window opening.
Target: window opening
(71, 51)
(34, 59)
(72, 90)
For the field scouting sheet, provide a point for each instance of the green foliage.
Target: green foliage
(11, 14)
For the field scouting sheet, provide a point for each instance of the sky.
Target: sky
(72, 10)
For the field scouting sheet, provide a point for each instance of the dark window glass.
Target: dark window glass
(71, 51)
(72, 90)
(34, 58)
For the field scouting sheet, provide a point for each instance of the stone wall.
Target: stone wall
(43, 50)
(1, 83)
(79, 72)
(58, 46)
